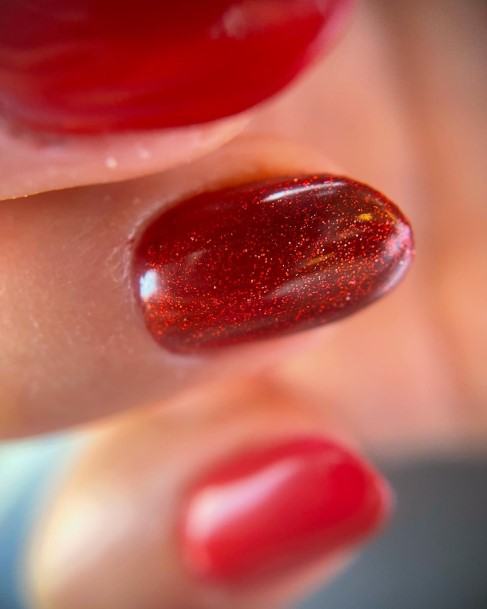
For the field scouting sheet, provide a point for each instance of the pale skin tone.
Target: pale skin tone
(393, 105)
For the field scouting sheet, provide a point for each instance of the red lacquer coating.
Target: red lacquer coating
(278, 507)
(266, 259)
(97, 65)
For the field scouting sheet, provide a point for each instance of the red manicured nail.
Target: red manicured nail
(97, 65)
(276, 508)
(266, 259)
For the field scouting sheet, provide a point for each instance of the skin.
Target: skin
(403, 377)
(40, 162)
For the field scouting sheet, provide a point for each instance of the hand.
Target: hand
(387, 378)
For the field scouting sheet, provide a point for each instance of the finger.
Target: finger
(70, 336)
(240, 498)
(74, 345)
(161, 66)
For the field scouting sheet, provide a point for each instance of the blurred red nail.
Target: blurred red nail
(276, 508)
(97, 65)
(266, 259)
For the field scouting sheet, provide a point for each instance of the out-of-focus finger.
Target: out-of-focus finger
(99, 68)
(241, 497)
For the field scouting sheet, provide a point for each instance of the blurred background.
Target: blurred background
(400, 103)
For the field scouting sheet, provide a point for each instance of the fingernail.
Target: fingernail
(103, 66)
(274, 509)
(267, 259)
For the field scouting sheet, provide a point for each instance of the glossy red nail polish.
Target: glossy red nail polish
(266, 259)
(96, 65)
(276, 508)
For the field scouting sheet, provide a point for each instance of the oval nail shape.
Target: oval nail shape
(89, 66)
(278, 508)
(266, 259)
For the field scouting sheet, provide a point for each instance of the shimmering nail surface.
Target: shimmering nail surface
(266, 259)
(280, 507)
(88, 66)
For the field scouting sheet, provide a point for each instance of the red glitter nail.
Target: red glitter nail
(266, 259)
(89, 66)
